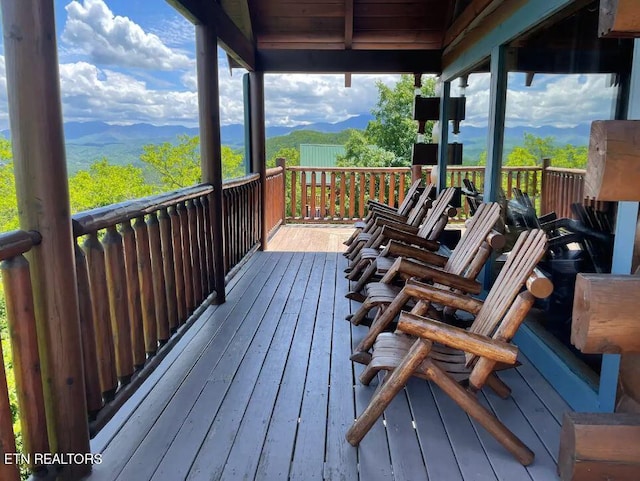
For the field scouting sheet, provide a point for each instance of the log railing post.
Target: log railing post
(210, 148)
(282, 162)
(145, 275)
(168, 265)
(133, 294)
(545, 188)
(416, 173)
(35, 115)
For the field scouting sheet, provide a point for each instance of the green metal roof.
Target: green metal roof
(320, 155)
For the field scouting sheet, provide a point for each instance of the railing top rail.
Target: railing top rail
(520, 168)
(247, 179)
(372, 170)
(102, 217)
(562, 170)
(17, 242)
(273, 171)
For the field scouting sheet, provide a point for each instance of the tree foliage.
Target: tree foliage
(290, 154)
(104, 184)
(360, 153)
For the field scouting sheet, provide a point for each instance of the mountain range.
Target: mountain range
(121, 144)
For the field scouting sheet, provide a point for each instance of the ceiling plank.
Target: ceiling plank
(297, 9)
(353, 61)
(348, 23)
(470, 16)
(231, 38)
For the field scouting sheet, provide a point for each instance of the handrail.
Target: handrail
(102, 217)
(17, 242)
(564, 170)
(247, 179)
(274, 171)
(372, 170)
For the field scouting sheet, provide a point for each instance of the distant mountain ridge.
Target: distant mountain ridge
(121, 144)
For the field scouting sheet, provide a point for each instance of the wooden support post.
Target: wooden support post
(43, 198)
(599, 446)
(497, 110)
(258, 143)
(416, 173)
(619, 18)
(210, 149)
(443, 145)
(545, 193)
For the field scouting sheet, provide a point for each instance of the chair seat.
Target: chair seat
(380, 292)
(369, 253)
(360, 224)
(391, 348)
(363, 237)
(383, 264)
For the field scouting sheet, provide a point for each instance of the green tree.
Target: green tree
(359, 152)
(291, 154)
(105, 184)
(393, 128)
(178, 165)
(8, 200)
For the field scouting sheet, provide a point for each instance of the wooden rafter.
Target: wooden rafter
(348, 23)
(230, 37)
(355, 61)
(470, 16)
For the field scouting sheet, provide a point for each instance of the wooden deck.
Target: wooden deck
(261, 387)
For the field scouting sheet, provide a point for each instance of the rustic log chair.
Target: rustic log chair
(458, 272)
(412, 220)
(376, 207)
(477, 229)
(449, 355)
(426, 236)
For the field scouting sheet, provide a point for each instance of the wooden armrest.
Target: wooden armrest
(409, 268)
(383, 222)
(392, 233)
(457, 338)
(374, 204)
(391, 216)
(420, 290)
(539, 285)
(398, 249)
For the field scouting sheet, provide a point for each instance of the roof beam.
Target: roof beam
(510, 20)
(355, 61)
(348, 23)
(230, 37)
(470, 16)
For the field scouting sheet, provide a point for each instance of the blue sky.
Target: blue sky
(126, 61)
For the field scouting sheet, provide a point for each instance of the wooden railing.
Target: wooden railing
(275, 198)
(337, 195)
(16, 278)
(562, 187)
(138, 282)
(241, 219)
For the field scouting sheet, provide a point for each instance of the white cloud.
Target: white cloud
(550, 101)
(89, 93)
(108, 39)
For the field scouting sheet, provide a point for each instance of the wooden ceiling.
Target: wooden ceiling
(350, 24)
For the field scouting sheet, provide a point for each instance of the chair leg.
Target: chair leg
(366, 276)
(392, 386)
(498, 386)
(361, 313)
(470, 404)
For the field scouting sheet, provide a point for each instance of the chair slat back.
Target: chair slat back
(432, 224)
(421, 207)
(523, 258)
(410, 199)
(475, 234)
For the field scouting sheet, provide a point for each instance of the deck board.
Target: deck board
(263, 389)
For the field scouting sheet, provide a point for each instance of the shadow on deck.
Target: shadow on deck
(261, 387)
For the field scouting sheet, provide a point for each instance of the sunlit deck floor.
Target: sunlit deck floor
(261, 387)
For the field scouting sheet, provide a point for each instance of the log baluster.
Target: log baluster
(119, 312)
(402, 187)
(21, 319)
(343, 191)
(208, 242)
(88, 333)
(304, 201)
(323, 195)
(187, 275)
(168, 266)
(133, 295)
(102, 322)
(8, 471)
(157, 269)
(392, 189)
(381, 187)
(195, 252)
(176, 239)
(361, 190)
(312, 200)
(204, 281)
(145, 276)
(332, 194)
(294, 205)
(352, 195)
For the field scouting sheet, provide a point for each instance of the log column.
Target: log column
(43, 198)
(210, 149)
(258, 142)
